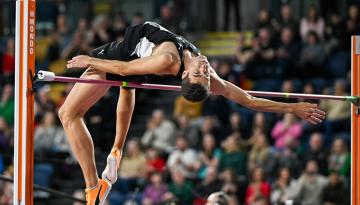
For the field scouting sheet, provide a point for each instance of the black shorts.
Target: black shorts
(116, 51)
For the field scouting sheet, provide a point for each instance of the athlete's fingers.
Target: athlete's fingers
(317, 115)
(311, 121)
(315, 119)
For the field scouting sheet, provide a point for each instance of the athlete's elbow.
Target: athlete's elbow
(168, 59)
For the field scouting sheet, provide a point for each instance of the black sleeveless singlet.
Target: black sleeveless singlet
(138, 42)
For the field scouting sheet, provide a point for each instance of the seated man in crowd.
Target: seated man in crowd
(310, 185)
(183, 158)
(159, 132)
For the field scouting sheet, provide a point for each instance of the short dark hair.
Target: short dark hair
(194, 92)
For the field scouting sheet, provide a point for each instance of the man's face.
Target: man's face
(316, 142)
(198, 71)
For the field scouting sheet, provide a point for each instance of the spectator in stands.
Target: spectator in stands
(339, 158)
(288, 87)
(266, 21)
(63, 30)
(7, 104)
(159, 132)
(309, 89)
(261, 156)
(316, 152)
(312, 56)
(313, 22)
(6, 191)
(338, 113)
(232, 157)
(50, 140)
(7, 60)
(265, 54)
(225, 72)
(183, 158)
(335, 35)
(5, 136)
(209, 184)
(137, 19)
(310, 185)
(335, 192)
(190, 130)
(180, 188)
(353, 21)
(83, 27)
(287, 132)
(182, 106)
(101, 31)
(43, 102)
(154, 162)
(132, 168)
(244, 52)
(217, 107)
(119, 25)
(78, 46)
(260, 123)
(154, 192)
(54, 47)
(168, 19)
(235, 124)
(261, 201)
(210, 125)
(208, 155)
(287, 53)
(231, 186)
(287, 19)
(247, 144)
(281, 189)
(258, 187)
(49, 137)
(287, 157)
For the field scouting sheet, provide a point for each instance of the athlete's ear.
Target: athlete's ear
(185, 74)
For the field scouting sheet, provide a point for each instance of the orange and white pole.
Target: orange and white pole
(24, 102)
(355, 120)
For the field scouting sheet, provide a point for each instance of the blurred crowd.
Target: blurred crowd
(199, 148)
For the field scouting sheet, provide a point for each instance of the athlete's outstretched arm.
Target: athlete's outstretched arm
(160, 64)
(306, 111)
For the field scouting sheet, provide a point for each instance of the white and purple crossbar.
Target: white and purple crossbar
(50, 76)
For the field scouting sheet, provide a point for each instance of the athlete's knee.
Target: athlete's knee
(67, 115)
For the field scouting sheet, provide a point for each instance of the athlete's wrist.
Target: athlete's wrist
(90, 61)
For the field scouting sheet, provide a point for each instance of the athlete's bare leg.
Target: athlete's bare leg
(125, 108)
(77, 103)
(124, 111)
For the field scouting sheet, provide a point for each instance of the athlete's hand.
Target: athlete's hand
(81, 61)
(309, 112)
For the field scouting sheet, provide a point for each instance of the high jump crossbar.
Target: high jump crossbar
(50, 76)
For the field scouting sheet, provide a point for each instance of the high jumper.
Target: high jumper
(147, 50)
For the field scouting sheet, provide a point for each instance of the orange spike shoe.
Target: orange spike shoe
(98, 194)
